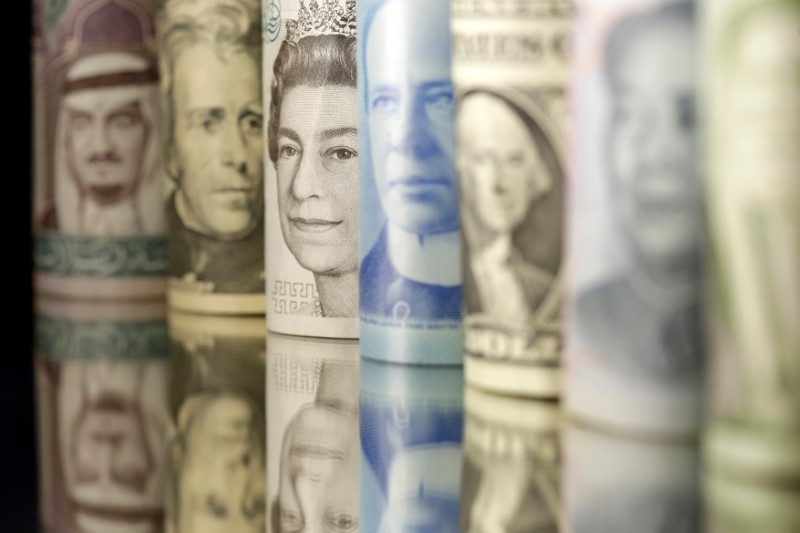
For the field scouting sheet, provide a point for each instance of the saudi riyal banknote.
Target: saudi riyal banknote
(210, 65)
(312, 435)
(98, 213)
(217, 407)
(635, 353)
(103, 422)
(410, 273)
(612, 484)
(510, 71)
(752, 65)
(511, 474)
(411, 430)
(313, 167)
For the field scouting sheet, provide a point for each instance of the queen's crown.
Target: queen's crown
(325, 17)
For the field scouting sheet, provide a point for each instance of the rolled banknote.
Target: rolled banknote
(510, 71)
(411, 428)
(635, 353)
(752, 63)
(98, 215)
(217, 404)
(312, 436)
(736, 507)
(312, 172)
(511, 465)
(103, 418)
(210, 61)
(613, 484)
(410, 239)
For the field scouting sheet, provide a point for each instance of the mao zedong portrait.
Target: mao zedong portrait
(413, 270)
(211, 57)
(313, 143)
(648, 316)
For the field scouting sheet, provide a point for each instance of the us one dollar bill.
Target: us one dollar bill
(752, 60)
(511, 474)
(103, 422)
(411, 433)
(312, 169)
(636, 232)
(210, 65)
(312, 436)
(217, 407)
(510, 71)
(621, 485)
(98, 214)
(410, 273)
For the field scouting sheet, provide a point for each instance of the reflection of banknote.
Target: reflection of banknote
(754, 209)
(216, 390)
(614, 485)
(211, 84)
(510, 134)
(636, 350)
(411, 424)
(98, 209)
(313, 465)
(511, 465)
(103, 416)
(410, 238)
(312, 171)
(734, 507)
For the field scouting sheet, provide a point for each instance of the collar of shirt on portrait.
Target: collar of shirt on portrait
(430, 259)
(121, 218)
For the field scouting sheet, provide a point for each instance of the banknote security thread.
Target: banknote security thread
(510, 71)
(98, 215)
(752, 60)
(313, 168)
(411, 432)
(410, 274)
(635, 353)
(312, 435)
(210, 64)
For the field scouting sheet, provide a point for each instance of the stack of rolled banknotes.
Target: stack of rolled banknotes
(490, 266)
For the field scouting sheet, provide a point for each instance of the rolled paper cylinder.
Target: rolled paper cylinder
(752, 65)
(411, 429)
(210, 64)
(510, 71)
(635, 349)
(312, 170)
(511, 475)
(410, 241)
(98, 212)
(312, 436)
(217, 403)
(103, 418)
(742, 507)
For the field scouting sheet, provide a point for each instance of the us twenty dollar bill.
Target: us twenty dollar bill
(752, 62)
(636, 351)
(510, 71)
(410, 274)
(98, 214)
(210, 64)
(313, 167)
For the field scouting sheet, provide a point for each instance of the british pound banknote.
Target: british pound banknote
(98, 212)
(103, 422)
(410, 241)
(312, 436)
(635, 354)
(411, 432)
(313, 167)
(511, 71)
(217, 406)
(511, 474)
(752, 61)
(210, 64)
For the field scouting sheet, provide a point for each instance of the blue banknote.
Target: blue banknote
(410, 274)
(411, 431)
